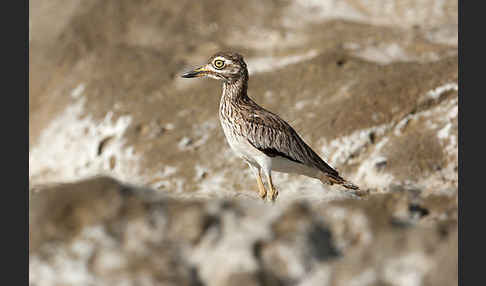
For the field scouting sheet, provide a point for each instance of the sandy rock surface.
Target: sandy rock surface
(99, 232)
(132, 182)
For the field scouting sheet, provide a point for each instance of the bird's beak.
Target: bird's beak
(199, 72)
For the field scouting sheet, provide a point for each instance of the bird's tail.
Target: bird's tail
(349, 185)
(336, 179)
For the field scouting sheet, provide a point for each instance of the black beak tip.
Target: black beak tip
(190, 74)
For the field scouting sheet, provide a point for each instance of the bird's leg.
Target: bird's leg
(262, 192)
(273, 191)
(261, 189)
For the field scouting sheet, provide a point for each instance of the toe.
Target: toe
(274, 196)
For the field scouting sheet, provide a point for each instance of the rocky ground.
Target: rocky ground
(132, 182)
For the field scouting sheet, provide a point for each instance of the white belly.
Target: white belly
(240, 145)
(284, 165)
(243, 149)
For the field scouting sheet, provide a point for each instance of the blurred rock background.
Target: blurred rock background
(132, 182)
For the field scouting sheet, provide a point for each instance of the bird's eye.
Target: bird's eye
(219, 64)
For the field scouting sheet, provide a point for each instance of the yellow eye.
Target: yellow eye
(218, 64)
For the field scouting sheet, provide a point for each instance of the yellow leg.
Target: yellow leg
(261, 189)
(273, 191)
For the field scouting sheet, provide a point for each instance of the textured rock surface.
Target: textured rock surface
(370, 85)
(99, 232)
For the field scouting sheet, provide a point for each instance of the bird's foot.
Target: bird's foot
(262, 194)
(273, 194)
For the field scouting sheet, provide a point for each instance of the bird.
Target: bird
(260, 137)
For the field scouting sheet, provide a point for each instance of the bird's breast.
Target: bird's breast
(231, 132)
(234, 133)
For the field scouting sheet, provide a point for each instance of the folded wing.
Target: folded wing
(273, 136)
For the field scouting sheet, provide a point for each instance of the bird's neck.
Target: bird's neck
(236, 89)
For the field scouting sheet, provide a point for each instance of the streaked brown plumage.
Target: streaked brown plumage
(264, 140)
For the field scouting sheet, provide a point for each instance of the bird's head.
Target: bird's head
(226, 66)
